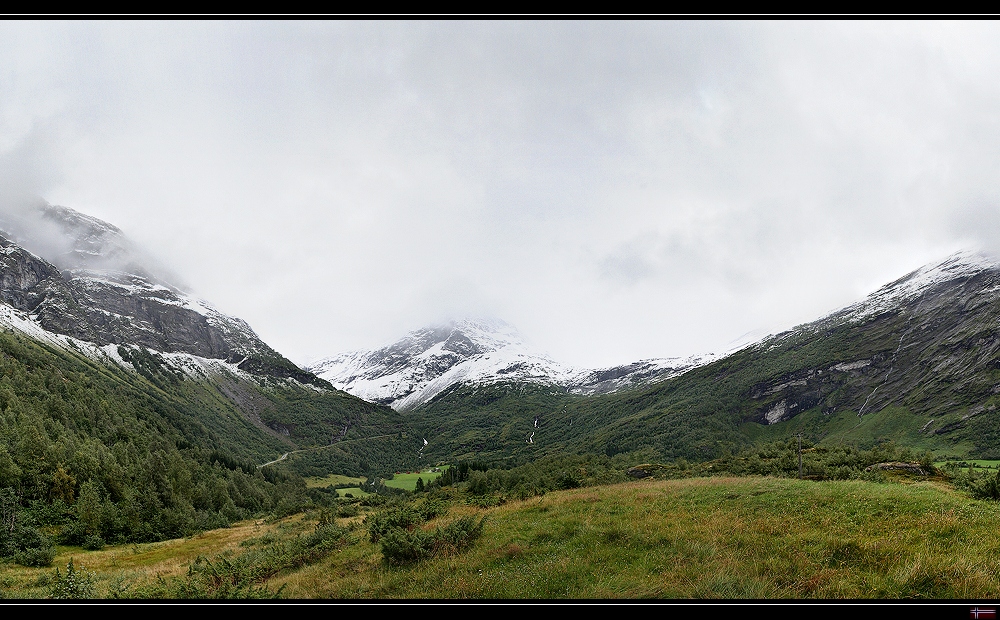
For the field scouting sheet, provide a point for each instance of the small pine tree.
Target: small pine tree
(420, 485)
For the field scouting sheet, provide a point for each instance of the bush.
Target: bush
(31, 548)
(457, 535)
(36, 557)
(243, 576)
(405, 517)
(401, 547)
(309, 548)
(565, 480)
(93, 543)
(382, 522)
(493, 500)
(222, 579)
(75, 584)
(987, 487)
(478, 483)
(347, 510)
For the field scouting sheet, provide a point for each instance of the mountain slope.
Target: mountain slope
(917, 363)
(94, 285)
(117, 305)
(100, 353)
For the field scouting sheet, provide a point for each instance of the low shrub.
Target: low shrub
(401, 547)
(347, 510)
(404, 517)
(243, 576)
(93, 543)
(222, 579)
(382, 522)
(36, 557)
(74, 584)
(457, 535)
(29, 547)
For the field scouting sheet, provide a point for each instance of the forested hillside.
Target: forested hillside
(92, 453)
(917, 363)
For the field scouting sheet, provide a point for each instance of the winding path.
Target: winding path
(277, 460)
(287, 454)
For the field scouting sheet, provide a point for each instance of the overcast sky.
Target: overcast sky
(617, 191)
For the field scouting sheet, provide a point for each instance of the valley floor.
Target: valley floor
(717, 538)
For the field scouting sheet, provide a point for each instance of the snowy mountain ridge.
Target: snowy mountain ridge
(963, 264)
(896, 295)
(425, 362)
(77, 276)
(190, 366)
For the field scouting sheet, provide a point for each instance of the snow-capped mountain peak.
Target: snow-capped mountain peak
(420, 365)
(963, 264)
(78, 276)
(425, 362)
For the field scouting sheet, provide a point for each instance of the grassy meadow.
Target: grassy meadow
(408, 480)
(716, 538)
(984, 463)
(121, 570)
(330, 480)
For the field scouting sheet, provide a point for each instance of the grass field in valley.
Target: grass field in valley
(984, 463)
(739, 538)
(408, 480)
(331, 480)
(405, 480)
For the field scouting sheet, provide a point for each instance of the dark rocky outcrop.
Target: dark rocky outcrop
(96, 289)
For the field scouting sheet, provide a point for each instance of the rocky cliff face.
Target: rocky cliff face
(643, 372)
(91, 283)
(928, 342)
(25, 279)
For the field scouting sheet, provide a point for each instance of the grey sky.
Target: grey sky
(615, 190)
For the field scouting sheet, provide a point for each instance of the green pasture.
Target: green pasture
(408, 481)
(984, 463)
(715, 538)
(331, 480)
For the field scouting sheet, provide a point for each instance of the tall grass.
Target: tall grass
(702, 538)
(715, 538)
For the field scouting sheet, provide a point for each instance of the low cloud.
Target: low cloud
(617, 190)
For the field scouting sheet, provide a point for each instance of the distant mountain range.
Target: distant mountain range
(426, 362)
(917, 362)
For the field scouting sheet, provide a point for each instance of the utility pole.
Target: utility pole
(800, 456)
